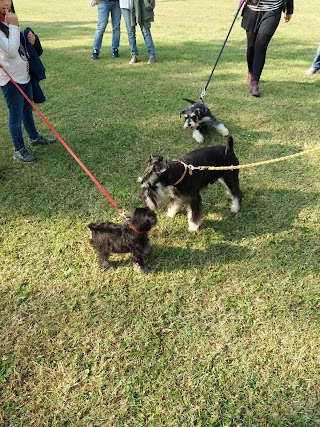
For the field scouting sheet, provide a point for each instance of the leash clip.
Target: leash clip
(123, 214)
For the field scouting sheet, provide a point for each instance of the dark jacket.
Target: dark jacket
(36, 67)
(288, 7)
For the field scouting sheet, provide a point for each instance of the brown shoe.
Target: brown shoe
(249, 79)
(134, 59)
(255, 91)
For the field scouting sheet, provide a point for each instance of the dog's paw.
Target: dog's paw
(172, 211)
(193, 227)
(235, 207)
(140, 269)
(222, 129)
(197, 136)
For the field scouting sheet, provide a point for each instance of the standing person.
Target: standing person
(260, 20)
(315, 67)
(105, 8)
(139, 12)
(14, 59)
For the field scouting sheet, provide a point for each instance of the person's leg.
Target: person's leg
(103, 16)
(251, 39)
(260, 51)
(115, 19)
(316, 61)
(259, 57)
(28, 121)
(268, 25)
(15, 104)
(315, 67)
(131, 31)
(148, 42)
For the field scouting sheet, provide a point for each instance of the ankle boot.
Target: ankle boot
(255, 91)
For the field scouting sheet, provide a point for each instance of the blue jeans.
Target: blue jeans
(131, 30)
(104, 9)
(20, 111)
(316, 61)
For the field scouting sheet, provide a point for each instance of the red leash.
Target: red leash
(96, 182)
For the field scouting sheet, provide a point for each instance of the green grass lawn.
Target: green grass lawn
(224, 330)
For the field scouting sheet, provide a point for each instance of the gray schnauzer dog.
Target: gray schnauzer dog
(197, 116)
(132, 236)
(185, 184)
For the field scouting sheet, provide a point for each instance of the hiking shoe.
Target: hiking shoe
(134, 59)
(311, 71)
(41, 140)
(24, 156)
(152, 60)
(95, 54)
(115, 53)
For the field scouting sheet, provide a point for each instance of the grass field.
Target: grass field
(224, 330)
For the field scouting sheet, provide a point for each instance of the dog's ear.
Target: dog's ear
(182, 112)
(197, 112)
(155, 159)
(161, 166)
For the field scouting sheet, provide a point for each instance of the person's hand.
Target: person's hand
(11, 18)
(31, 38)
(287, 17)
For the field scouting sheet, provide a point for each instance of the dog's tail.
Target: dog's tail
(229, 146)
(189, 100)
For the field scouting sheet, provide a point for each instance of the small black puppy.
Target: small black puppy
(185, 185)
(108, 237)
(197, 116)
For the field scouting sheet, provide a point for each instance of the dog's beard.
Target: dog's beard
(153, 196)
(193, 126)
(190, 125)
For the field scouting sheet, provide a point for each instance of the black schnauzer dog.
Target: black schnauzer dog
(197, 116)
(185, 184)
(108, 237)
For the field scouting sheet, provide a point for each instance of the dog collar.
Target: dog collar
(183, 175)
(135, 229)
